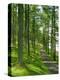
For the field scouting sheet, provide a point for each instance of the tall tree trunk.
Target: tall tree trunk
(14, 25)
(20, 34)
(54, 33)
(53, 37)
(44, 37)
(27, 29)
(28, 34)
(33, 36)
(48, 37)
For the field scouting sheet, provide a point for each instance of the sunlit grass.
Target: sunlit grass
(19, 71)
(28, 69)
(36, 69)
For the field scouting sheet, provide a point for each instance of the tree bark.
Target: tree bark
(20, 34)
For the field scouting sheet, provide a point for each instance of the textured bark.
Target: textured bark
(33, 32)
(53, 42)
(27, 28)
(20, 34)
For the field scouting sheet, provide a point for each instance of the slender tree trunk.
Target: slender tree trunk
(54, 45)
(20, 34)
(33, 31)
(14, 27)
(28, 34)
(48, 37)
(27, 28)
(44, 37)
(53, 37)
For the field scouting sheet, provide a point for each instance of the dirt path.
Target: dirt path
(52, 65)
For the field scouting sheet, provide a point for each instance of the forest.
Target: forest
(32, 39)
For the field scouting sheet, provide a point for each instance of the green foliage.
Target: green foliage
(33, 28)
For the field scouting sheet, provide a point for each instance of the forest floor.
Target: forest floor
(52, 65)
(41, 66)
(28, 69)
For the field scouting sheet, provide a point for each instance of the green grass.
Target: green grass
(35, 67)
(28, 69)
(19, 71)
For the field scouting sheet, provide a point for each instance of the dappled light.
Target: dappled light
(32, 39)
